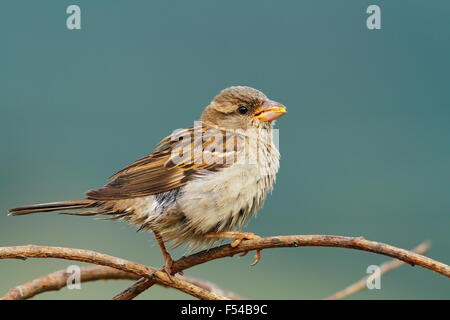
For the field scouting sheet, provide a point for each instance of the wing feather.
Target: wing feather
(174, 163)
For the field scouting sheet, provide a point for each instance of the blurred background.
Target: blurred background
(365, 146)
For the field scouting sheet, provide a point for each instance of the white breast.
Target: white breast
(221, 201)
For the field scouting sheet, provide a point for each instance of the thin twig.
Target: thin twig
(358, 243)
(58, 280)
(32, 251)
(384, 268)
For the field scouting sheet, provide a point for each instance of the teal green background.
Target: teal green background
(365, 146)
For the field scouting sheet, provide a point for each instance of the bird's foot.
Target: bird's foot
(238, 238)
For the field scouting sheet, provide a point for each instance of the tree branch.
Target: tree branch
(58, 280)
(358, 243)
(149, 276)
(384, 268)
(31, 251)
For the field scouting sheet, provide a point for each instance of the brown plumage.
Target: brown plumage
(182, 194)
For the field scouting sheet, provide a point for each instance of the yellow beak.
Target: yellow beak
(270, 110)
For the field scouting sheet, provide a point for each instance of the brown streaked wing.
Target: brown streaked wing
(157, 172)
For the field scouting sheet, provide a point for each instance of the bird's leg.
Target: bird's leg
(166, 255)
(238, 238)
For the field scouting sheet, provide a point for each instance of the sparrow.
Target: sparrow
(201, 184)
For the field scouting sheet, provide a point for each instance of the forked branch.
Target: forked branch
(58, 280)
(149, 276)
(31, 251)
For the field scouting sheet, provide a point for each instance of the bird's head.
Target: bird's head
(242, 107)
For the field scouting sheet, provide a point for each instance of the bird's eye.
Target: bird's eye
(242, 110)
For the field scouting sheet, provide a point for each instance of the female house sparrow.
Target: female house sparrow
(201, 183)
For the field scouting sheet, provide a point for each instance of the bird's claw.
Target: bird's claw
(238, 238)
(247, 236)
(257, 257)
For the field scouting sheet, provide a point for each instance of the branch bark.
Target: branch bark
(149, 276)
(89, 256)
(357, 243)
(58, 280)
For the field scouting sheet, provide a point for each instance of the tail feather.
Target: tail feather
(54, 206)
